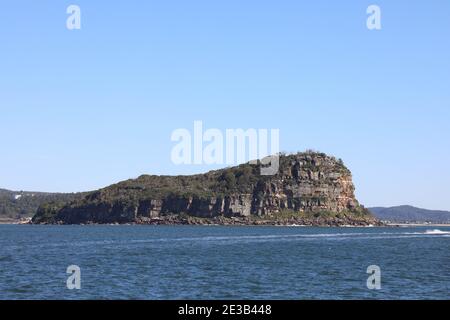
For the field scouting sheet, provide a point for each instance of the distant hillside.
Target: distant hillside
(409, 214)
(15, 205)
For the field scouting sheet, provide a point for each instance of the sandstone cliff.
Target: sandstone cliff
(308, 187)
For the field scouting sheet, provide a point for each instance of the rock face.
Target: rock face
(307, 184)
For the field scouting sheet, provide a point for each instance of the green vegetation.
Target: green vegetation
(20, 204)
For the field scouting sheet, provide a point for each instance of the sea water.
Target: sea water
(217, 262)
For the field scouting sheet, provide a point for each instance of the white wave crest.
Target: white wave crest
(436, 231)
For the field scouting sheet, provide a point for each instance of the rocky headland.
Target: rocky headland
(310, 189)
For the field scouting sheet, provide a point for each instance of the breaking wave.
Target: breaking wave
(437, 232)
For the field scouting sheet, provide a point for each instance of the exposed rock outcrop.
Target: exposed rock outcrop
(308, 187)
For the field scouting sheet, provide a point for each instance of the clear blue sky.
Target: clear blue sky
(86, 108)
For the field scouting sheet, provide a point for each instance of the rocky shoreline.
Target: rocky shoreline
(263, 222)
(247, 221)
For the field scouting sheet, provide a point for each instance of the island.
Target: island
(310, 189)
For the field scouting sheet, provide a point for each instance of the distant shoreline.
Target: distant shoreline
(391, 225)
(15, 221)
(418, 224)
(222, 221)
(244, 222)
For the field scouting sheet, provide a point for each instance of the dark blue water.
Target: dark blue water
(180, 262)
